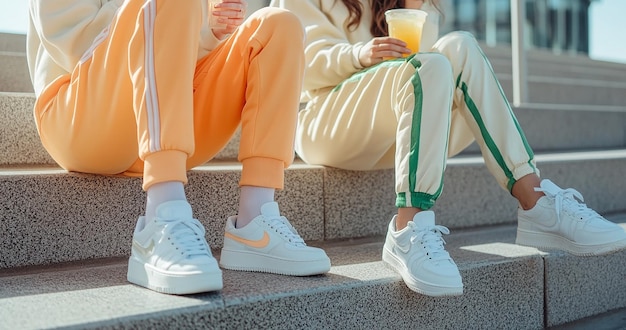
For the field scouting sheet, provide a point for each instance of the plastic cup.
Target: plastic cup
(213, 23)
(406, 25)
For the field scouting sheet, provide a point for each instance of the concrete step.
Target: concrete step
(614, 319)
(563, 79)
(593, 70)
(80, 216)
(12, 42)
(558, 127)
(506, 286)
(548, 127)
(14, 75)
(563, 90)
(562, 60)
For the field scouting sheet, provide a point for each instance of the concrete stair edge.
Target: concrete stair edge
(47, 205)
(14, 74)
(544, 55)
(503, 282)
(12, 42)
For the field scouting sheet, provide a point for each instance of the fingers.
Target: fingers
(389, 41)
(232, 9)
(389, 47)
(230, 14)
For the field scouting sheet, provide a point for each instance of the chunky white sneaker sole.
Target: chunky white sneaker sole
(254, 262)
(422, 287)
(541, 240)
(158, 280)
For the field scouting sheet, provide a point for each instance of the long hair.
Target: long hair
(378, 26)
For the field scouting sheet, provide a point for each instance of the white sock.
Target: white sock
(250, 201)
(163, 192)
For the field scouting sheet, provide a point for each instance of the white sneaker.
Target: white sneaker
(270, 244)
(170, 254)
(417, 253)
(560, 221)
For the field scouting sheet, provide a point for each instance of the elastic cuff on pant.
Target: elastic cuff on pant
(421, 201)
(520, 172)
(263, 172)
(164, 166)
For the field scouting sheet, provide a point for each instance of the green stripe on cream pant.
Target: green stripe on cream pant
(412, 114)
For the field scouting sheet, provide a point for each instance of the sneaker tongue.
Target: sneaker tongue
(424, 219)
(549, 186)
(270, 210)
(174, 210)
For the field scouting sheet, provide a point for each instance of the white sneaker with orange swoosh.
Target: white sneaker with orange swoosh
(270, 244)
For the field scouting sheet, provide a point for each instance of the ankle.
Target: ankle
(405, 214)
(251, 199)
(529, 202)
(162, 192)
(524, 191)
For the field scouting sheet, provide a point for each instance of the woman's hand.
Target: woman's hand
(380, 49)
(230, 13)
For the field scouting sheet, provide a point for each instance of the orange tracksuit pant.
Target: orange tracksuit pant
(140, 101)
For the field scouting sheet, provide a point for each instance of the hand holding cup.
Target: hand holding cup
(406, 25)
(225, 16)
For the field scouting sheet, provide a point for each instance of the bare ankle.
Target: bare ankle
(524, 191)
(405, 214)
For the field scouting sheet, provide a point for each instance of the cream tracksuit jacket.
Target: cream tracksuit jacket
(144, 87)
(410, 114)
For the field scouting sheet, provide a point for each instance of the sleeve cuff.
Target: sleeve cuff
(356, 50)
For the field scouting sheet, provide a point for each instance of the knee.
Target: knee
(457, 42)
(435, 64)
(279, 23)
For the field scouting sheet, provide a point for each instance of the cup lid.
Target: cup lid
(404, 13)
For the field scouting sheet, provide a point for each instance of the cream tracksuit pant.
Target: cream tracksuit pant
(140, 101)
(429, 106)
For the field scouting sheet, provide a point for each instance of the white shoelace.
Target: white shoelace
(282, 226)
(187, 235)
(567, 200)
(432, 240)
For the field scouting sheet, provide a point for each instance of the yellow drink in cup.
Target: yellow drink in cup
(406, 25)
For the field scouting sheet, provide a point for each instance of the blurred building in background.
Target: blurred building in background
(560, 25)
